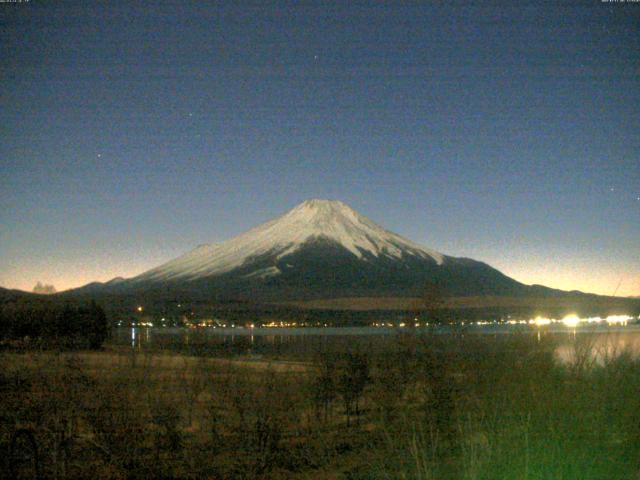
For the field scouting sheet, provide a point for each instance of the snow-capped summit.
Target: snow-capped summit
(331, 221)
(336, 221)
(320, 249)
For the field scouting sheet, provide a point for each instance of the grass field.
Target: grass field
(423, 407)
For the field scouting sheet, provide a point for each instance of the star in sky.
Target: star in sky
(421, 116)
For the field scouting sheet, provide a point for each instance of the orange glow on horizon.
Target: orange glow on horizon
(604, 284)
(562, 273)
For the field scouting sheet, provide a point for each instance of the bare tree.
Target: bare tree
(352, 380)
(433, 303)
(324, 384)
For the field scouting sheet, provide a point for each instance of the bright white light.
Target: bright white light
(571, 320)
(592, 320)
(614, 319)
(540, 321)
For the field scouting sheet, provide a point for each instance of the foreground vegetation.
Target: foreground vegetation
(424, 407)
(51, 325)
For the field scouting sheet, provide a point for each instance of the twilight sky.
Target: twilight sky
(130, 132)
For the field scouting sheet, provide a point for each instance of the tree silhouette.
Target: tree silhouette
(352, 380)
(433, 303)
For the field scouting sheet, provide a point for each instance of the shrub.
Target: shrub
(67, 326)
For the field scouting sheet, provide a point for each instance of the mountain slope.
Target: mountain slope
(312, 220)
(319, 249)
(12, 294)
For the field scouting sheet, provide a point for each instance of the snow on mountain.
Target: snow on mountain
(311, 220)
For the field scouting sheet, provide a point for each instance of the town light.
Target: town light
(571, 320)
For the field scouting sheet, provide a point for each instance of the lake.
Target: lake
(602, 340)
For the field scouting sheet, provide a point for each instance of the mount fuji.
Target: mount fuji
(312, 222)
(319, 249)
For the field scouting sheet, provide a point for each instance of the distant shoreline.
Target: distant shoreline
(415, 303)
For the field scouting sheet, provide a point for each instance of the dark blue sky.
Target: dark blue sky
(133, 131)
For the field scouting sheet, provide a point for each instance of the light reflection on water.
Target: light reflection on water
(600, 342)
(600, 346)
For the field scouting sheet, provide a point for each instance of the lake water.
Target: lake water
(602, 340)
